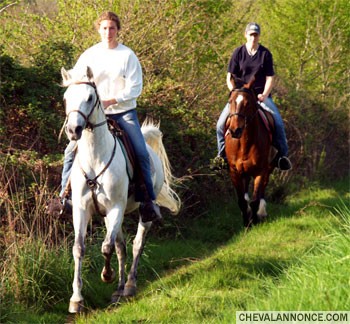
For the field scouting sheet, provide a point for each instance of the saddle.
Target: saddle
(267, 119)
(137, 184)
(269, 123)
(126, 146)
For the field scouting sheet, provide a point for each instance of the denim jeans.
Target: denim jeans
(128, 121)
(279, 138)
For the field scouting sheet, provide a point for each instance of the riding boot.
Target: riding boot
(59, 206)
(149, 211)
(284, 163)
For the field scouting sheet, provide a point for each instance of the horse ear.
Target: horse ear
(251, 82)
(65, 75)
(89, 73)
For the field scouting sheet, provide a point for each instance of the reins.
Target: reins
(96, 104)
(247, 119)
(92, 183)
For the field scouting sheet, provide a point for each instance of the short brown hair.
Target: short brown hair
(108, 15)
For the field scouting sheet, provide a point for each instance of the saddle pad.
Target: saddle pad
(266, 122)
(129, 165)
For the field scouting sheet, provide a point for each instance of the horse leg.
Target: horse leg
(137, 248)
(80, 222)
(113, 221)
(120, 246)
(241, 185)
(259, 204)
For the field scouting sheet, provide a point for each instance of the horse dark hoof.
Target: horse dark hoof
(108, 278)
(130, 291)
(117, 296)
(76, 307)
(262, 218)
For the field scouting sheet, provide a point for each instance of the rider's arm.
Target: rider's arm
(267, 89)
(228, 81)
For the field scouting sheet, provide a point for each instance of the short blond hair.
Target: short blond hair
(108, 15)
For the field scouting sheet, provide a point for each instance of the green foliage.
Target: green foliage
(184, 47)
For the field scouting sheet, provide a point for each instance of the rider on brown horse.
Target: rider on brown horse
(249, 60)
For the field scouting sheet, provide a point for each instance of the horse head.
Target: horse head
(80, 101)
(242, 106)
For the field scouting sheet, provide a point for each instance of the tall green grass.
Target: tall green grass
(320, 280)
(209, 268)
(297, 261)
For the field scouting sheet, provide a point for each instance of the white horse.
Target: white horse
(100, 182)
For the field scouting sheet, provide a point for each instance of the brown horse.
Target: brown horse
(249, 150)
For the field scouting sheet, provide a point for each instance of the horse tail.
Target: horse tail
(167, 197)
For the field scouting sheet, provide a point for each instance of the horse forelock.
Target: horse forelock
(74, 77)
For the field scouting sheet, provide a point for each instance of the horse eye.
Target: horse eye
(90, 98)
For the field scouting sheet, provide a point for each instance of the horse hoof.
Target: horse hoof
(129, 291)
(262, 218)
(116, 296)
(76, 306)
(107, 278)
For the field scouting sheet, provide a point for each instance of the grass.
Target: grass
(280, 265)
(203, 272)
(323, 272)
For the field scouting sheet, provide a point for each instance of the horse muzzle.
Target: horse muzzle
(74, 132)
(237, 133)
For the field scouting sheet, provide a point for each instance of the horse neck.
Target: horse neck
(97, 143)
(252, 130)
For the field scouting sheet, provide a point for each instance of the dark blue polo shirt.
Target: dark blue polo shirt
(245, 66)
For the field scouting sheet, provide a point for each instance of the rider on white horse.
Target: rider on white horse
(118, 78)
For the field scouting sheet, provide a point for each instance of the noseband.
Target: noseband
(89, 125)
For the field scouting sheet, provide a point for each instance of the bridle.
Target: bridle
(246, 118)
(89, 125)
(92, 183)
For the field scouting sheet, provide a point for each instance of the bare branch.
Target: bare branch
(7, 6)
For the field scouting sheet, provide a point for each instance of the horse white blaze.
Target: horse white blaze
(239, 99)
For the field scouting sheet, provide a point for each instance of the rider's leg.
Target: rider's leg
(220, 130)
(69, 154)
(280, 139)
(128, 121)
(219, 161)
(62, 204)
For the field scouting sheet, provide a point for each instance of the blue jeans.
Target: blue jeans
(280, 139)
(128, 121)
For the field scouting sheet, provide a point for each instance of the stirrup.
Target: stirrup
(218, 163)
(284, 163)
(67, 207)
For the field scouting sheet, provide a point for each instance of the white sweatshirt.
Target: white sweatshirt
(117, 75)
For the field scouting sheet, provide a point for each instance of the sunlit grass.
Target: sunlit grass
(210, 269)
(320, 281)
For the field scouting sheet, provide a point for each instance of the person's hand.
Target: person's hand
(107, 103)
(261, 97)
